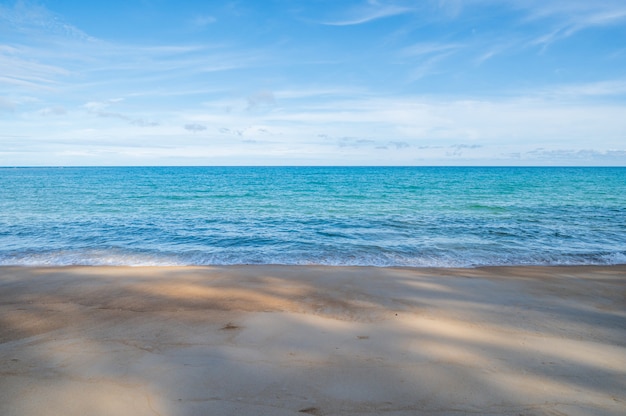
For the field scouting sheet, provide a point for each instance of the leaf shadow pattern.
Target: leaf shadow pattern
(285, 340)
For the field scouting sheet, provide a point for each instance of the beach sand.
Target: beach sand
(283, 340)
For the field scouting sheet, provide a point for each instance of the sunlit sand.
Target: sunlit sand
(282, 340)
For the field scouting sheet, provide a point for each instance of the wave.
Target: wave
(342, 217)
(458, 260)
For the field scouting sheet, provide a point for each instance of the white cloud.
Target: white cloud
(318, 93)
(99, 108)
(569, 155)
(56, 110)
(590, 89)
(195, 127)
(355, 142)
(457, 150)
(6, 104)
(303, 117)
(452, 8)
(486, 125)
(399, 144)
(261, 99)
(203, 20)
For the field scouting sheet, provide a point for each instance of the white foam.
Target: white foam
(102, 257)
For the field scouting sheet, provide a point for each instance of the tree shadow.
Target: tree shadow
(312, 340)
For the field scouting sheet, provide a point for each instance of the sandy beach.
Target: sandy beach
(282, 340)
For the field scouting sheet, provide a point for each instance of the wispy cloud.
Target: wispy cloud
(32, 18)
(429, 48)
(567, 18)
(17, 69)
(428, 66)
(425, 57)
(45, 53)
(560, 19)
(372, 10)
(100, 109)
(259, 98)
(582, 12)
(495, 50)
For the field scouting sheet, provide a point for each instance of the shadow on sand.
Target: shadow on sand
(283, 340)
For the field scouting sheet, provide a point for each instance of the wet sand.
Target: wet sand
(282, 340)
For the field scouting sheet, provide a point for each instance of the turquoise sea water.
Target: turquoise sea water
(414, 216)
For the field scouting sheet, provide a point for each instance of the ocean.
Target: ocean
(366, 216)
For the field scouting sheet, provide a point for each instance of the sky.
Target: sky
(313, 82)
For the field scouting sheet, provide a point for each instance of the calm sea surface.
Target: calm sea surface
(423, 216)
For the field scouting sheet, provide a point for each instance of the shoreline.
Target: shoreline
(320, 340)
(548, 267)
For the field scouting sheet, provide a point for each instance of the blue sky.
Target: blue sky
(316, 82)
